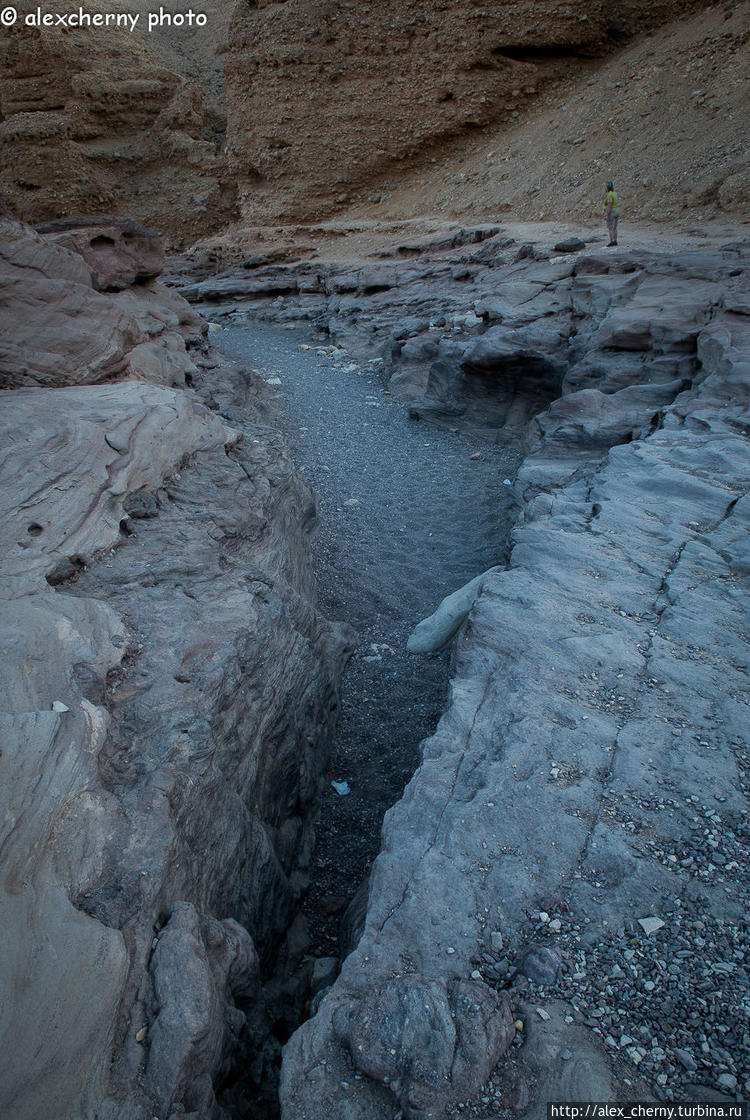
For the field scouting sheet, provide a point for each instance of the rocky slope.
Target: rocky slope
(664, 117)
(561, 889)
(520, 108)
(326, 98)
(168, 690)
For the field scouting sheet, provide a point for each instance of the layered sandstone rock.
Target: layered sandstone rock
(59, 329)
(102, 119)
(324, 97)
(460, 109)
(167, 693)
(119, 251)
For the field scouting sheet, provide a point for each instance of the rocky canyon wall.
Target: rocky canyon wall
(324, 97)
(102, 120)
(323, 103)
(167, 685)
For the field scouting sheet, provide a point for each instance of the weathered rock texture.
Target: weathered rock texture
(591, 767)
(463, 109)
(325, 97)
(167, 693)
(60, 330)
(675, 149)
(96, 120)
(119, 252)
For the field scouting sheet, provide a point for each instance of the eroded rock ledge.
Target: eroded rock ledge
(168, 689)
(571, 853)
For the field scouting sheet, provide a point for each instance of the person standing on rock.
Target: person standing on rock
(612, 207)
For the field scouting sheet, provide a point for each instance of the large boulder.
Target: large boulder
(58, 330)
(118, 251)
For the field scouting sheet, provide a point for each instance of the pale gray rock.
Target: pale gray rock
(441, 627)
(200, 967)
(618, 624)
(119, 438)
(665, 313)
(156, 592)
(59, 333)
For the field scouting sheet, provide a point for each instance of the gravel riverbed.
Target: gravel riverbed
(408, 512)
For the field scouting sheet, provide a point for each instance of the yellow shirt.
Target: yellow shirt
(611, 200)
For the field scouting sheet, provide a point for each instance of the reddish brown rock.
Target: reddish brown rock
(365, 92)
(119, 251)
(57, 330)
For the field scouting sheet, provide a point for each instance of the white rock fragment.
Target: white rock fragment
(650, 925)
(543, 1015)
(436, 631)
(58, 706)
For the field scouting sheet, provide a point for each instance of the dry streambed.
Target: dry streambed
(574, 831)
(576, 826)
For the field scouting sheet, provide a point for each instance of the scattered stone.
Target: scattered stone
(542, 964)
(650, 925)
(570, 245)
(686, 1059)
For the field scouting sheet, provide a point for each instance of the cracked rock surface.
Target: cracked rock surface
(168, 688)
(578, 820)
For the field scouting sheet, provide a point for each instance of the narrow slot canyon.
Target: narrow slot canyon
(407, 512)
(375, 740)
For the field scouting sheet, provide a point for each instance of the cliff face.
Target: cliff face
(167, 691)
(324, 97)
(296, 110)
(100, 120)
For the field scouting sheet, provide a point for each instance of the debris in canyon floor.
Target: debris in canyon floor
(477, 455)
(650, 925)
(58, 706)
(670, 1005)
(342, 788)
